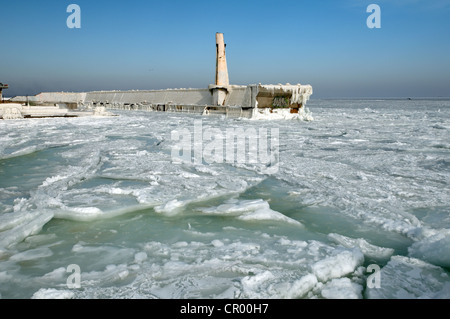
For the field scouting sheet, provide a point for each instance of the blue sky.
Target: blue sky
(171, 44)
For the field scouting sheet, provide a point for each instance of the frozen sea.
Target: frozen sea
(355, 204)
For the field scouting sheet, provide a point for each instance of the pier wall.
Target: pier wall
(174, 96)
(240, 101)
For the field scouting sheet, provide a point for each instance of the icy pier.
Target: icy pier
(280, 101)
(255, 101)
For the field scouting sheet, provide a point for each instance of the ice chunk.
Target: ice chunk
(40, 239)
(444, 293)
(302, 286)
(410, 278)
(217, 243)
(53, 179)
(171, 207)
(11, 220)
(235, 207)
(341, 264)
(81, 213)
(58, 274)
(140, 257)
(32, 254)
(19, 233)
(252, 284)
(269, 215)
(25, 151)
(342, 288)
(435, 249)
(369, 250)
(250, 210)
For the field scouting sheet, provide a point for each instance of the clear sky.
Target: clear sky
(171, 44)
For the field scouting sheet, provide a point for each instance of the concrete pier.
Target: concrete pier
(247, 101)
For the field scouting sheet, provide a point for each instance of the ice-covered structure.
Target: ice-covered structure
(2, 87)
(249, 101)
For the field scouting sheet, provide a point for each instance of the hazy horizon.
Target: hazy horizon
(146, 45)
